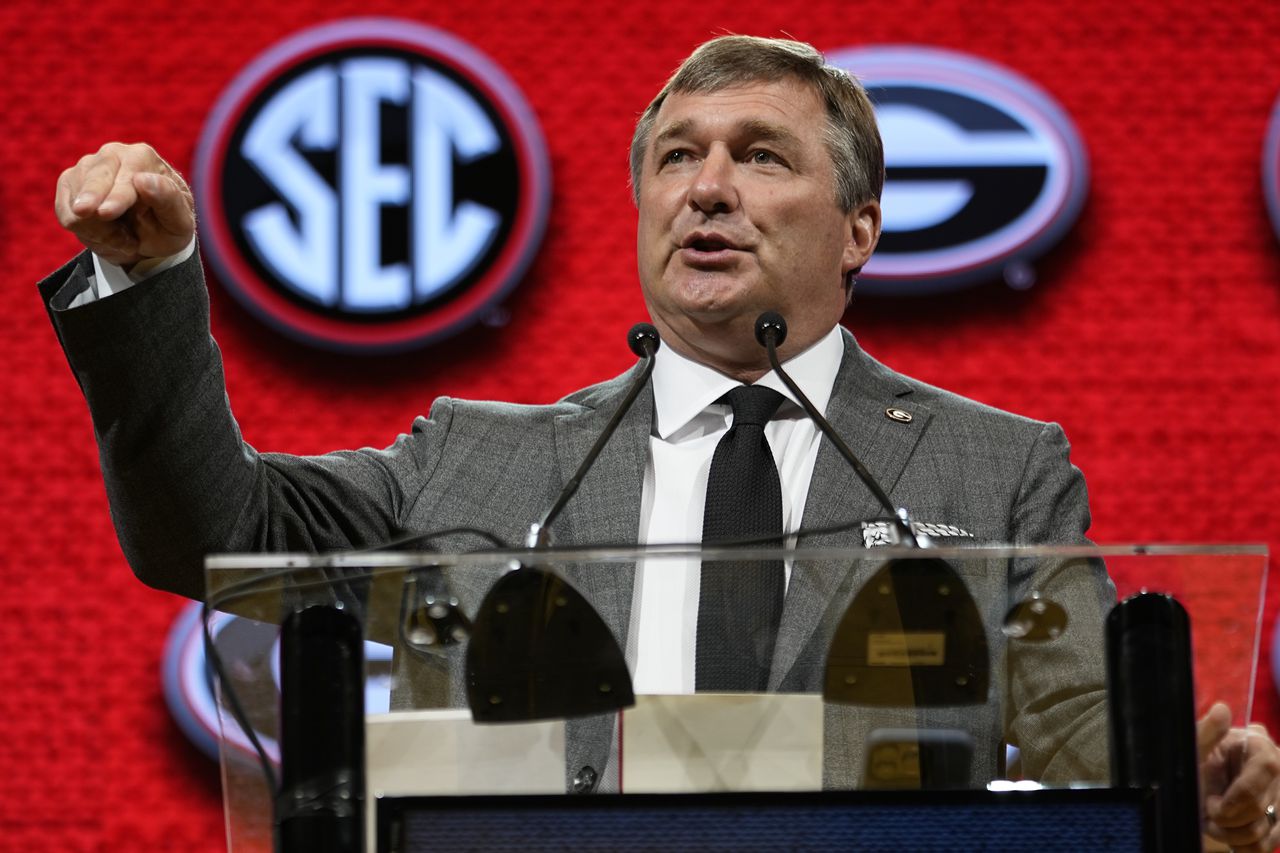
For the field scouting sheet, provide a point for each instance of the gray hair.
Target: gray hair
(852, 137)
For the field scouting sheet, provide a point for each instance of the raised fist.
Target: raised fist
(126, 204)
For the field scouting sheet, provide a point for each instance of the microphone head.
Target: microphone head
(770, 324)
(643, 339)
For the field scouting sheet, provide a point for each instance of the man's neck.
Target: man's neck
(745, 365)
(683, 387)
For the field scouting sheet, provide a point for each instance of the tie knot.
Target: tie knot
(753, 404)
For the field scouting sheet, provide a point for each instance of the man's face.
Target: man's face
(738, 215)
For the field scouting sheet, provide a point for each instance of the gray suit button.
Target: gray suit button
(585, 780)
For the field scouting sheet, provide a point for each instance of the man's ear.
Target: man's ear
(863, 232)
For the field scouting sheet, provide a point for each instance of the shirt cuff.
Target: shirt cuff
(108, 278)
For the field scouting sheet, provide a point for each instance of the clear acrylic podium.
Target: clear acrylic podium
(978, 668)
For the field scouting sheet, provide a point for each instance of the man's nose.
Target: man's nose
(713, 189)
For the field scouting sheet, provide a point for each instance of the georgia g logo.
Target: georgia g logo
(984, 172)
(371, 185)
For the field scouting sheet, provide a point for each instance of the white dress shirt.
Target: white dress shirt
(688, 423)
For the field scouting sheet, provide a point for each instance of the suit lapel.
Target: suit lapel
(864, 390)
(606, 508)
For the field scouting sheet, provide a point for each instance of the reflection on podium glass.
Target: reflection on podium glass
(432, 618)
(913, 759)
(912, 638)
(1035, 619)
(540, 651)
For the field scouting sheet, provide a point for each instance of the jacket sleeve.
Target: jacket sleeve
(180, 480)
(1056, 710)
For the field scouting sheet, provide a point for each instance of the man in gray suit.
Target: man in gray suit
(757, 172)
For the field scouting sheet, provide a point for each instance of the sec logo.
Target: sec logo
(984, 172)
(371, 185)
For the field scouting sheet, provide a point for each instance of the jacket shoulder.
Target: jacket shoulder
(954, 409)
(531, 416)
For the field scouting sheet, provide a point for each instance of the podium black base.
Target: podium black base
(1046, 821)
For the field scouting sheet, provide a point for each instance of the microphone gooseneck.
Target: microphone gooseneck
(771, 331)
(643, 339)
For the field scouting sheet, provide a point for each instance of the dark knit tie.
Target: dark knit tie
(740, 602)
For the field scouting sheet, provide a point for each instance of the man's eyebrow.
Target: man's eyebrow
(671, 131)
(754, 129)
(767, 131)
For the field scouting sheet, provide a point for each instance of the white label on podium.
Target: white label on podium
(722, 742)
(445, 752)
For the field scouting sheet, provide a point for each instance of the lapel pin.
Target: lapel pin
(899, 415)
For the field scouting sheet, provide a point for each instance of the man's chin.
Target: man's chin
(713, 298)
(718, 331)
(719, 319)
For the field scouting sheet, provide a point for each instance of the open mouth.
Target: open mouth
(709, 245)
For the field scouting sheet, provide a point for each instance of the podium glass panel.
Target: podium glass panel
(891, 668)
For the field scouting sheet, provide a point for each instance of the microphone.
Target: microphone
(643, 339)
(771, 331)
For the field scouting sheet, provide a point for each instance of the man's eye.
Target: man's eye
(674, 157)
(762, 156)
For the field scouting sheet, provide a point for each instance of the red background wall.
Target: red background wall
(1151, 335)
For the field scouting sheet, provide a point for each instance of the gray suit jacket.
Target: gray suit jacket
(182, 484)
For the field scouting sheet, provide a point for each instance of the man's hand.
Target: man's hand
(1239, 781)
(126, 205)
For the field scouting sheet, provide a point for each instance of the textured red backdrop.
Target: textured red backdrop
(1151, 335)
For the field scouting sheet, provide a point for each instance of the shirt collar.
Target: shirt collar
(683, 388)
